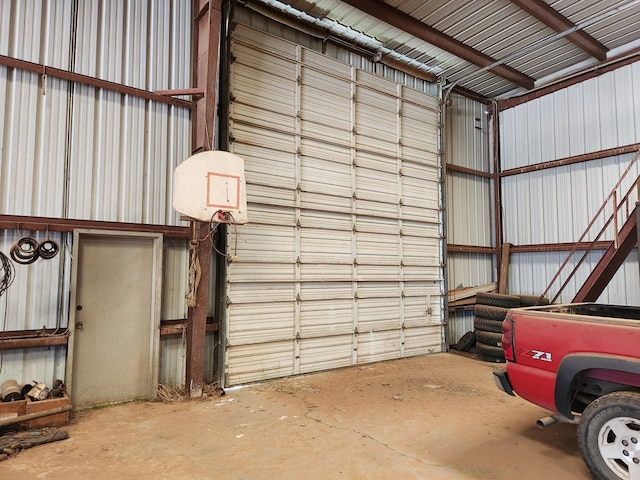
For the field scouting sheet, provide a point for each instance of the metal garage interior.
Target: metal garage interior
(395, 151)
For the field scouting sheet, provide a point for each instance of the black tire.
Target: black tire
(489, 350)
(492, 313)
(531, 300)
(484, 358)
(596, 435)
(498, 300)
(487, 325)
(466, 342)
(489, 338)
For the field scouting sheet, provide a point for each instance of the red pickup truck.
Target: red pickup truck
(582, 362)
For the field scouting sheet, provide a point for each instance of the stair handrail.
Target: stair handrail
(576, 245)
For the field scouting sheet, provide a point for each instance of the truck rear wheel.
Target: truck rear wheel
(609, 436)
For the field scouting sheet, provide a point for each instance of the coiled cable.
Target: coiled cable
(25, 251)
(6, 273)
(48, 249)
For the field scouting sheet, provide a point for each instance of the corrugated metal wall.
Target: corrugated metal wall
(469, 204)
(556, 205)
(75, 151)
(340, 262)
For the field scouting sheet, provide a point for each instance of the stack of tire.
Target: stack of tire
(489, 312)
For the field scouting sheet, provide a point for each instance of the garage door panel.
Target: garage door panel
(324, 273)
(416, 119)
(272, 215)
(415, 97)
(376, 83)
(418, 250)
(314, 130)
(378, 290)
(342, 249)
(379, 346)
(252, 363)
(317, 354)
(262, 139)
(319, 63)
(326, 176)
(326, 318)
(271, 99)
(422, 272)
(417, 213)
(378, 315)
(261, 41)
(260, 272)
(253, 241)
(376, 185)
(419, 174)
(265, 293)
(422, 288)
(386, 226)
(256, 116)
(377, 209)
(421, 229)
(249, 321)
(377, 249)
(418, 155)
(325, 290)
(317, 247)
(322, 202)
(423, 340)
(267, 195)
(415, 193)
(326, 220)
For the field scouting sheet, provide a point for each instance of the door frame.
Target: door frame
(156, 301)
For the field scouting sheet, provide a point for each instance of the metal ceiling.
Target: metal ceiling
(489, 48)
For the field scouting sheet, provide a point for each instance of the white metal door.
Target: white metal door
(115, 321)
(341, 262)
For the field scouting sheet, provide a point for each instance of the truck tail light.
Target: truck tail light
(507, 339)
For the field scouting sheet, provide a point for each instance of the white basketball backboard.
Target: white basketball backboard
(210, 187)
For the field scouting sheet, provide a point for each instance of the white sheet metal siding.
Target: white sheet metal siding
(340, 262)
(556, 205)
(116, 152)
(469, 203)
(600, 113)
(122, 150)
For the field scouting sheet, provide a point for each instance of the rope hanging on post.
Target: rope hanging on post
(195, 270)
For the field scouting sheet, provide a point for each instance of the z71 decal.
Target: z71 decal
(535, 354)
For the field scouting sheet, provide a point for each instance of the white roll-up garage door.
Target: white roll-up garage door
(341, 260)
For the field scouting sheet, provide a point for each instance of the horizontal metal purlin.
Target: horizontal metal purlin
(469, 171)
(559, 247)
(452, 248)
(610, 152)
(18, 222)
(91, 81)
(579, 77)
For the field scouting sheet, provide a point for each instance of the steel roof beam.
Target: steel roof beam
(415, 27)
(554, 20)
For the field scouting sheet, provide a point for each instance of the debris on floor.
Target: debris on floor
(12, 444)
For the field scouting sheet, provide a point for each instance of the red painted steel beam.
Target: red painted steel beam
(554, 20)
(453, 248)
(415, 27)
(573, 79)
(51, 224)
(610, 152)
(468, 171)
(559, 247)
(609, 263)
(207, 27)
(90, 81)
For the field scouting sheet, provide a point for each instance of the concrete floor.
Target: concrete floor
(432, 417)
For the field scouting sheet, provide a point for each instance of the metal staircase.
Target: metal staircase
(624, 212)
